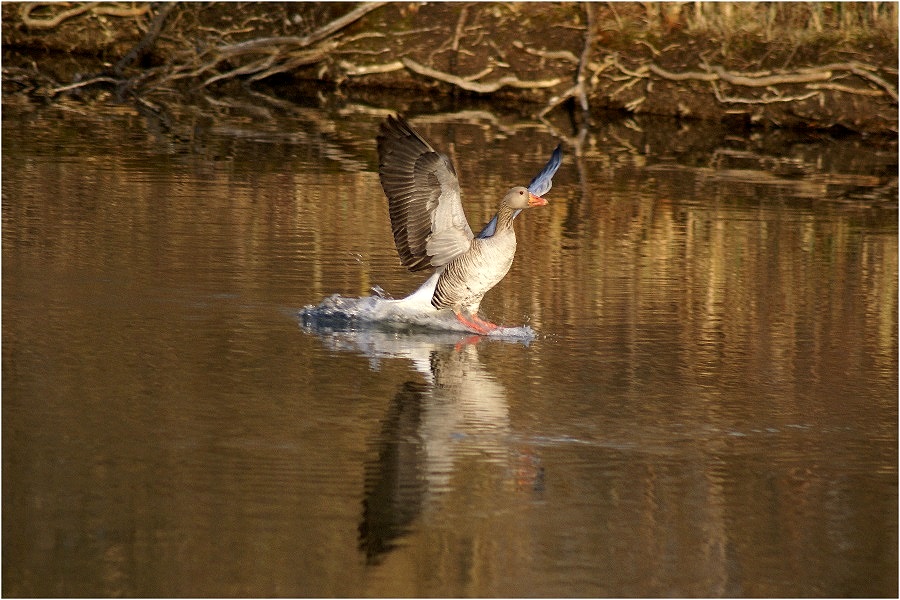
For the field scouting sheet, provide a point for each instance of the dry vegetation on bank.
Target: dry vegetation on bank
(820, 65)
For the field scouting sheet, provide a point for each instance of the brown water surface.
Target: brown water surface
(709, 407)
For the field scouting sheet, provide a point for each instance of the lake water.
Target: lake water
(708, 406)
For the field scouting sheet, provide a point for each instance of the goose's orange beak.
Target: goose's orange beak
(536, 200)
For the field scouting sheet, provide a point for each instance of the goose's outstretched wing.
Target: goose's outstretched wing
(543, 181)
(427, 217)
(539, 186)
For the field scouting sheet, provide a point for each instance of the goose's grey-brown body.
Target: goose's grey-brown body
(430, 227)
(471, 274)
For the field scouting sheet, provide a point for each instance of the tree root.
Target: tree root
(816, 79)
(474, 86)
(96, 8)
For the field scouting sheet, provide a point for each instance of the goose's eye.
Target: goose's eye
(521, 192)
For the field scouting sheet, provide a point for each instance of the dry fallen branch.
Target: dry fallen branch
(770, 99)
(769, 80)
(295, 61)
(146, 42)
(281, 53)
(352, 70)
(864, 72)
(845, 88)
(473, 86)
(267, 43)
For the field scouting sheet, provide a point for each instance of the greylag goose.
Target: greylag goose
(430, 227)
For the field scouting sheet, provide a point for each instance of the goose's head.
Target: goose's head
(519, 198)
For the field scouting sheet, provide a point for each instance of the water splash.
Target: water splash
(405, 315)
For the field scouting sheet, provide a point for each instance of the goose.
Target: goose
(430, 228)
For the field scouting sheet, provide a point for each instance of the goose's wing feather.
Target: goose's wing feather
(539, 186)
(427, 217)
(543, 181)
(489, 229)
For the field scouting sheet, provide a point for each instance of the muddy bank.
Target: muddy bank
(809, 66)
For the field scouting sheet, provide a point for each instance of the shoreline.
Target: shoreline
(663, 59)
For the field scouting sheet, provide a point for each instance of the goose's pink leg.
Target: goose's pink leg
(486, 324)
(476, 323)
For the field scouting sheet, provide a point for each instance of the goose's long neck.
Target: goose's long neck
(505, 217)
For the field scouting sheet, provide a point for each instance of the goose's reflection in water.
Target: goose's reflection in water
(453, 410)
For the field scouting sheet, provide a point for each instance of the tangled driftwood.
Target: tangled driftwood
(610, 80)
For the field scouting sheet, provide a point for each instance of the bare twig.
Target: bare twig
(79, 84)
(459, 27)
(639, 74)
(632, 106)
(629, 83)
(549, 54)
(351, 69)
(557, 100)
